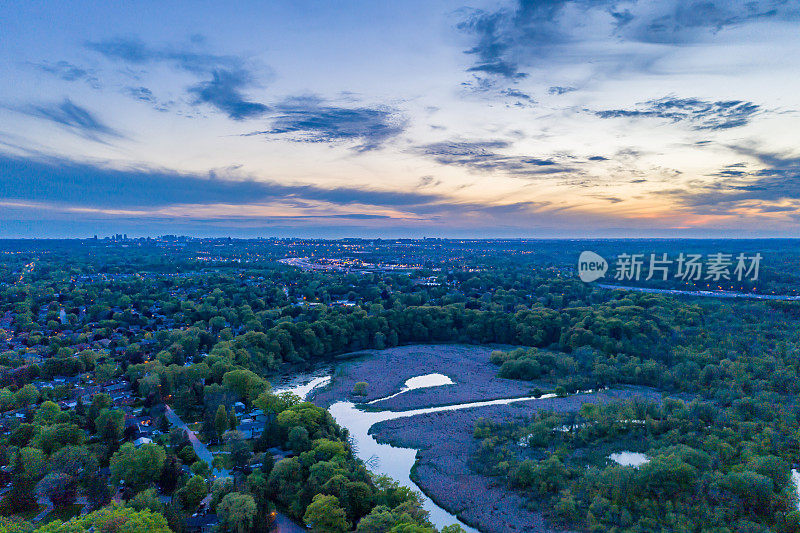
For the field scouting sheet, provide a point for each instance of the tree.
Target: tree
(360, 388)
(247, 384)
(236, 512)
(407, 527)
(97, 490)
(74, 460)
(325, 515)
(298, 440)
(359, 499)
(257, 487)
(52, 438)
(200, 468)
(216, 323)
(453, 528)
(99, 402)
(47, 413)
(26, 395)
(220, 488)
(7, 400)
(104, 372)
(220, 421)
(137, 467)
(232, 420)
(147, 499)
(110, 425)
(170, 474)
(59, 488)
(239, 449)
(15, 525)
(193, 492)
(379, 520)
(28, 467)
(115, 518)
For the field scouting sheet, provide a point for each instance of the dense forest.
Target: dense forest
(203, 328)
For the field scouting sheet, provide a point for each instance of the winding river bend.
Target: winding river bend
(384, 458)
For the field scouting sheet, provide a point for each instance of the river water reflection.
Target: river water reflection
(383, 458)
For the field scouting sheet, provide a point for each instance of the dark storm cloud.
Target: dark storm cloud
(528, 32)
(64, 182)
(700, 114)
(485, 156)
(68, 72)
(309, 119)
(226, 77)
(73, 117)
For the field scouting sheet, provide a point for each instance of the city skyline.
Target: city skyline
(561, 119)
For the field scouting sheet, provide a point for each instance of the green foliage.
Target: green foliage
(237, 512)
(147, 499)
(246, 384)
(138, 468)
(59, 487)
(110, 424)
(325, 515)
(707, 467)
(220, 421)
(193, 492)
(116, 518)
(156, 315)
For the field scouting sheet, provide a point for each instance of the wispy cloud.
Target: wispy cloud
(143, 94)
(77, 119)
(310, 119)
(486, 156)
(68, 72)
(225, 77)
(700, 114)
(559, 90)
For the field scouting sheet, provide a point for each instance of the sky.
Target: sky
(551, 118)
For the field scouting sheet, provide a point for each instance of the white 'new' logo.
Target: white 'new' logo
(591, 266)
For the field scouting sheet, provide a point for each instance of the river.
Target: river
(705, 294)
(383, 458)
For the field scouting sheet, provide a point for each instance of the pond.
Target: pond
(634, 459)
(420, 382)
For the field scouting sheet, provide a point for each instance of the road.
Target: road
(706, 294)
(283, 524)
(200, 448)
